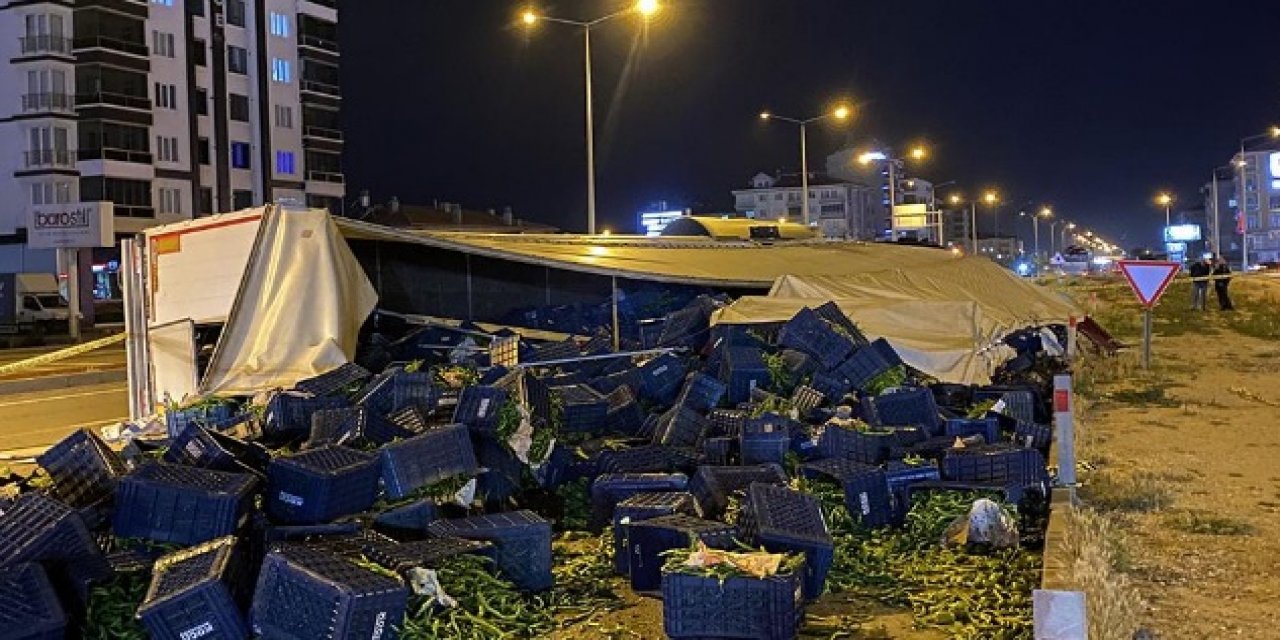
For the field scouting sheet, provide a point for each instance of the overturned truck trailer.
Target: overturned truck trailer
(259, 299)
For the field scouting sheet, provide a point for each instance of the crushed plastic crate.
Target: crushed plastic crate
(440, 453)
(522, 540)
(321, 484)
(743, 369)
(199, 447)
(177, 420)
(478, 408)
(866, 491)
(645, 459)
(352, 425)
(334, 381)
(905, 407)
(406, 522)
(38, 528)
(428, 554)
(701, 392)
(288, 415)
(661, 379)
(29, 607)
(648, 540)
(712, 485)
(726, 422)
(194, 593)
(783, 520)
(750, 608)
(584, 409)
(643, 506)
(864, 365)
(611, 488)
(309, 594)
(988, 428)
(84, 471)
(994, 463)
(182, 505)
(808, 332)
(680, 427)
(1033, 436)
(624, 414)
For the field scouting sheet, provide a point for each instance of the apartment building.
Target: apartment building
(168, 109)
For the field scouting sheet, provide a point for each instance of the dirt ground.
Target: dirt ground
(1187, 459)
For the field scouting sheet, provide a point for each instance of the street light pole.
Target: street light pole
(1242, 197)
(839, 113)
(973, 227)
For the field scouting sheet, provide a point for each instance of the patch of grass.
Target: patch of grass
(1150, 395)
(1208, 524)
(1132, 492)
(1099, 560)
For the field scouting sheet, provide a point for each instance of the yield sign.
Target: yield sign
(1149, 279)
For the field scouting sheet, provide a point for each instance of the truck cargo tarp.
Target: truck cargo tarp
(299, 310)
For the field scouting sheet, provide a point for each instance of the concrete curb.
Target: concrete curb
(1056, 569)
(52, 383)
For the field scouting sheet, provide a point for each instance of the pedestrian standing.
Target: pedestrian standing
(1221, 281)
(1200, 271)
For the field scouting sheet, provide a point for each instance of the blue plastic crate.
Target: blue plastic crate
(648, 539)
(199, 447)
(643, 506)
(726, 422)
(743, 369)
(740, 607)
(182, 505)
(645, 459)
(832, 385)
(611, 488)
(631, 378)
(503, 471)
(549, 351)
(782, 520)
(193, 594)
(584, 409)
(900, 477)
(832, 313)
(760, 448)
(335, 381)
(1017, 403)
(440, 453)
(680, 427)
(865, 447)
(988, 428)
(478, 408)
(798, 363)
(866, 491)
(29, 607)
(177, 420)
(84, 471)
(309, 594)
(288, 415)
(661, 378)
(805, 399)
(906, 407)
(998, 463)
(38, 528)
(701, 392)
(689, 327)
(712, 485)
(718, 451)
(406, 522)
(349, 426)
(809, 333)
(556, 469)
(863, 366)
(624, 415)
(321, 484)
(522, 540)
(428, 554)
(1033, 436)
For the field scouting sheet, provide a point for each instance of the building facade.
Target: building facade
(169, 109)
(1002, 249)
(1257, 195)
(840, 209)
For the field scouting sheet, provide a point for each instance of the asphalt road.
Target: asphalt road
(36, 420)
(106, 358)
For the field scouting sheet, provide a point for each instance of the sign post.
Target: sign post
(1148, 279)
(69, 227)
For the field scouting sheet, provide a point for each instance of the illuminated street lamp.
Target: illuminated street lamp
(645, 9)
(1046, 213)
(841, 112)
(991, 198)
(1165, 200)
(918, 152)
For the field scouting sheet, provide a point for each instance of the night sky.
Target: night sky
(1091, 106)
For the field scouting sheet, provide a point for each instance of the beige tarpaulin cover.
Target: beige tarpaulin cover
(299, 310)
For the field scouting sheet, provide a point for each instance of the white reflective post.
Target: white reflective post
(1064, 429)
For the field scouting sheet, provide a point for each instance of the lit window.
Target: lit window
(163, 3)
(240, 155)
(284, 162)
(279, 25)
(281, 70)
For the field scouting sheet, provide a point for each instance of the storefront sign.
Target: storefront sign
(73, 225)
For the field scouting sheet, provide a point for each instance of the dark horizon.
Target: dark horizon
(1092, 108)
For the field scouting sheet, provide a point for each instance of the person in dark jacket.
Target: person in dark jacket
(1221, 281)
(1200, 271)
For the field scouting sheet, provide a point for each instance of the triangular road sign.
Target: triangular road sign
(1149, 279)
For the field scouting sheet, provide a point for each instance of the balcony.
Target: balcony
(322, 132)
(332, 4)
(47, 102)
(113, 99)
(118, 155)
(316, 42)
(110, 44)
(50, 159)
(326, 176)
(35, 45)
(132, 211)
(314, 86)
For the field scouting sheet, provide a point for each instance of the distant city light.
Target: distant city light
(872, 156)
